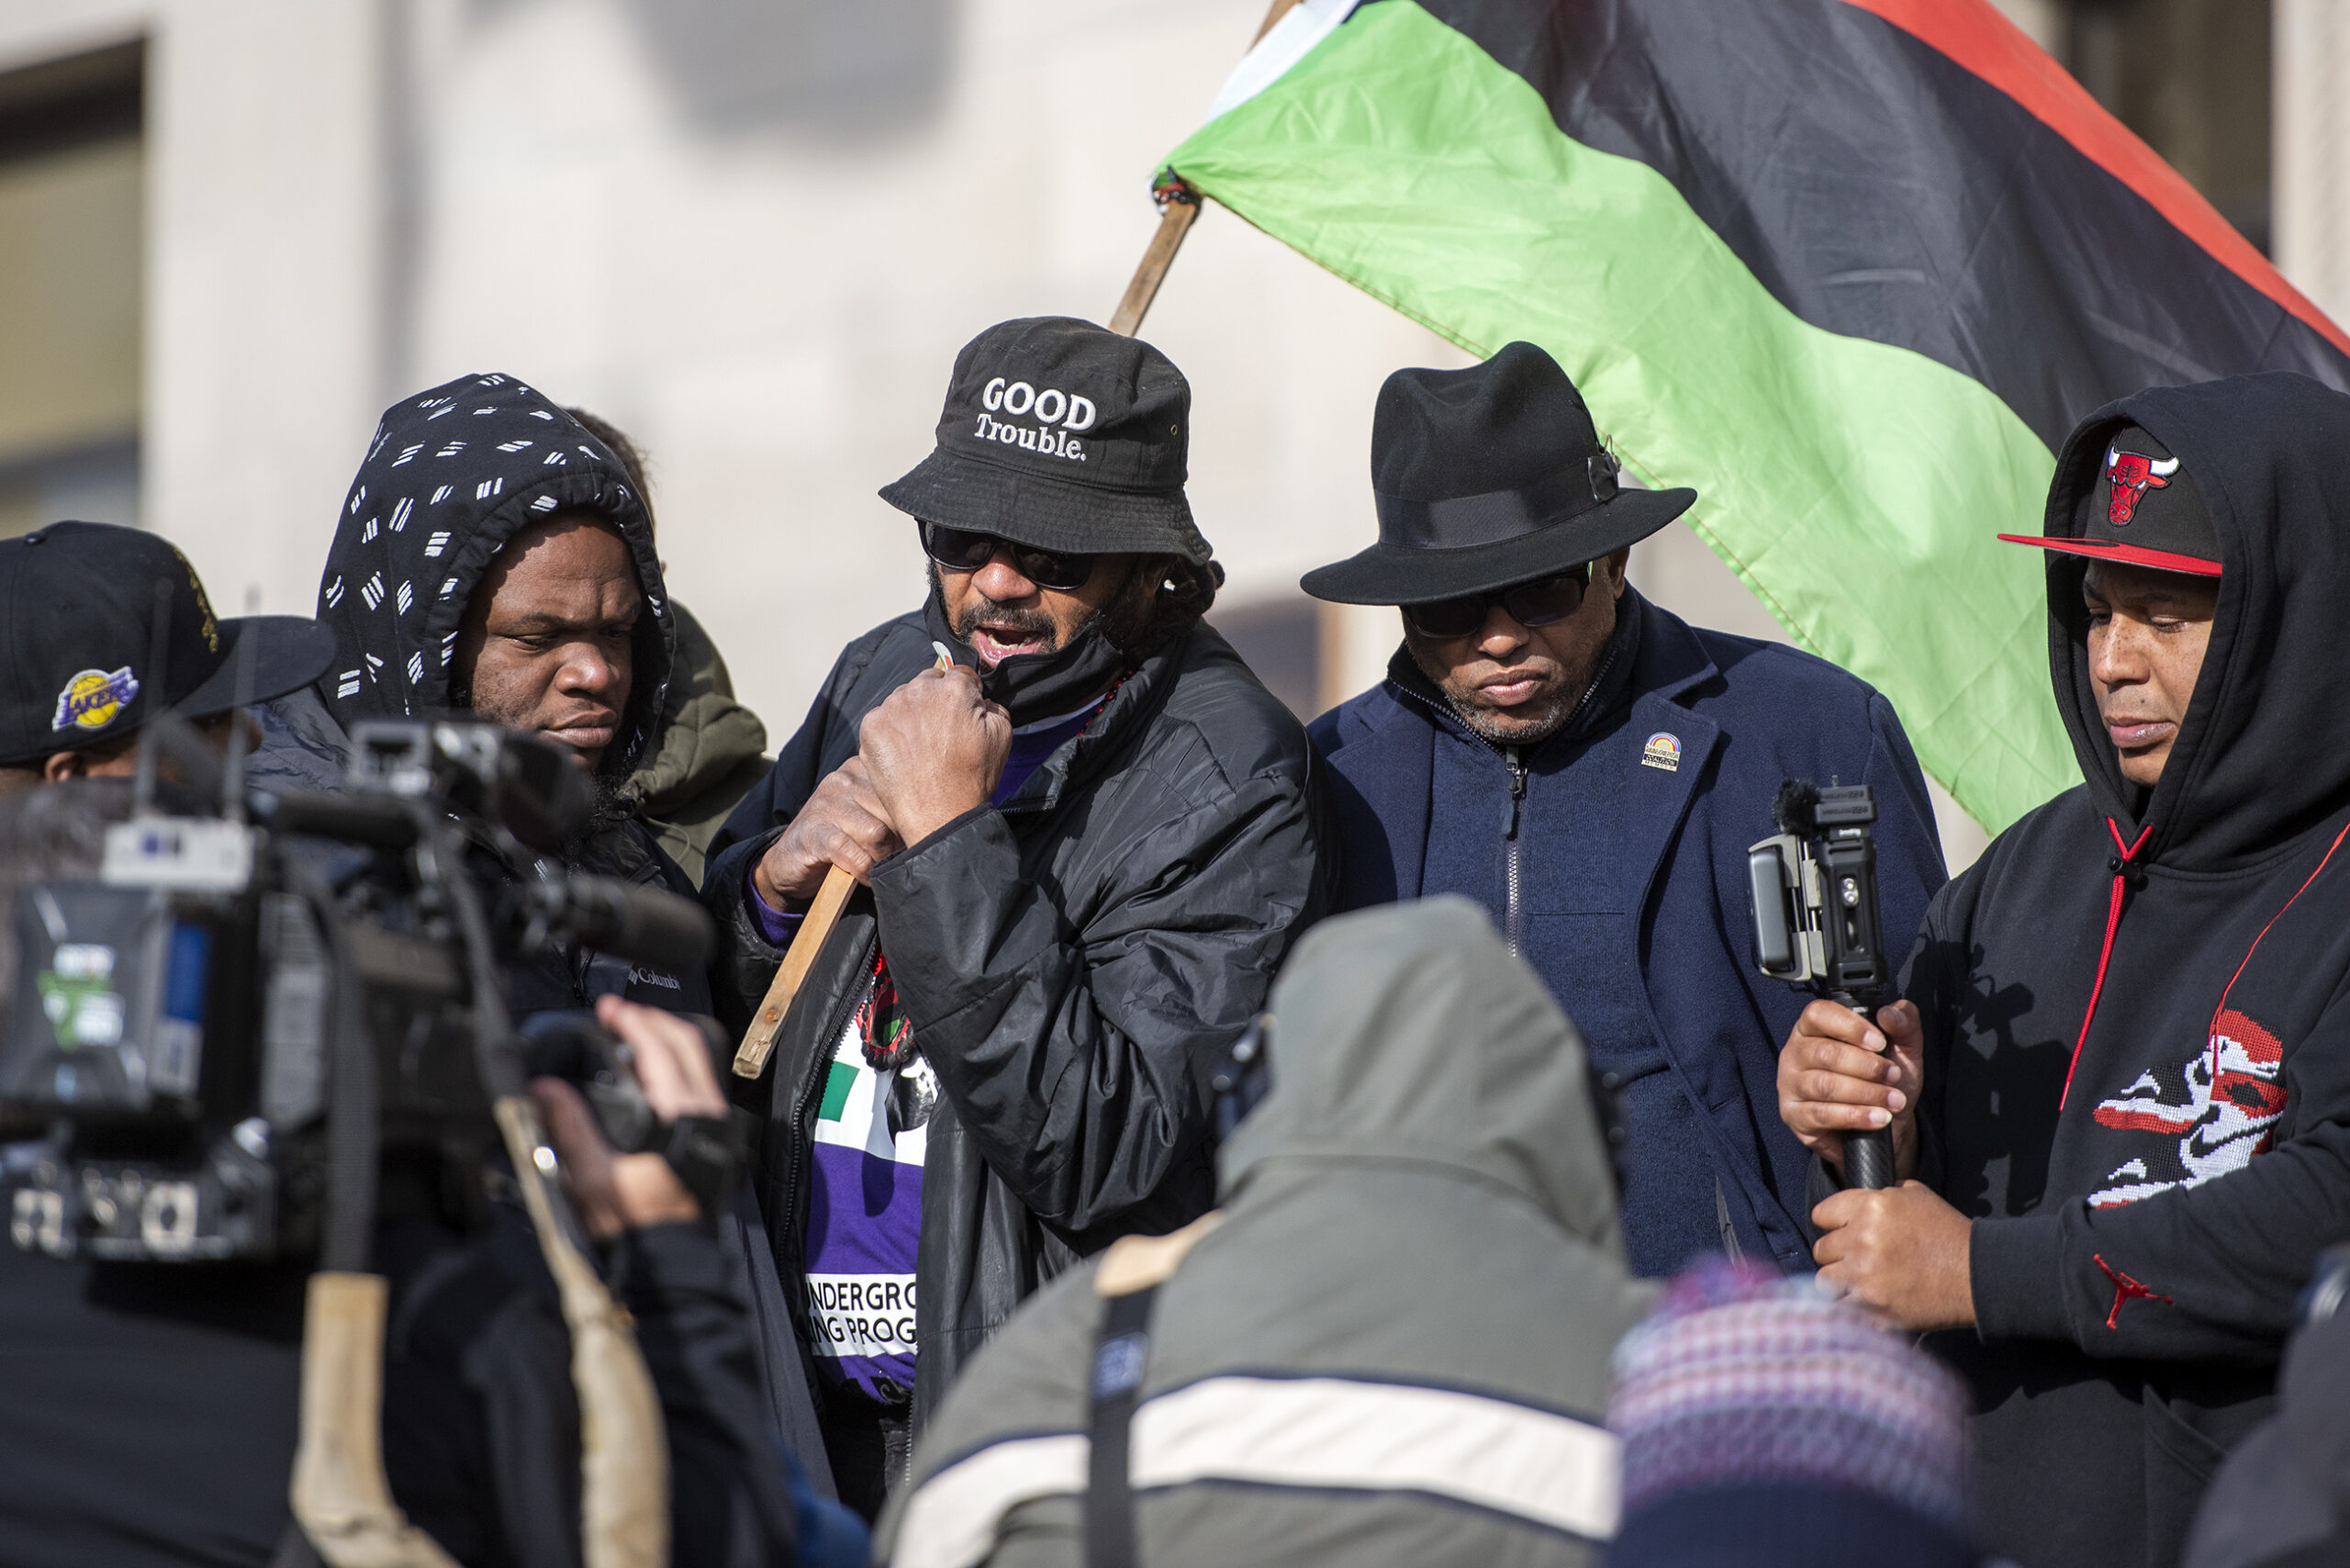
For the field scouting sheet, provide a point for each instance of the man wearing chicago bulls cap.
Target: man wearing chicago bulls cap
(1590, 768)
(79, 604)
(2120, 1076)
(1085, 842)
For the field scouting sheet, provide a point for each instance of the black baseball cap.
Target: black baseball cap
(2144, 509)
(1063, 436)
(77, 612)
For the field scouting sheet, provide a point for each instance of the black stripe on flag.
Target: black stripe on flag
(1882, 191)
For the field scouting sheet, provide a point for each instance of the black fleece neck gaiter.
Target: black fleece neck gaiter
(1037, 686)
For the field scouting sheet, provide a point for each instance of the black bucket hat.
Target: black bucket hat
(77, 615)
(1061, 435)
(1485, 477)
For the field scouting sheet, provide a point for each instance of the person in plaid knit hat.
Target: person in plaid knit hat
(1765, 1423)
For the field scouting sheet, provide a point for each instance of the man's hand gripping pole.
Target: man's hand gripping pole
(815, 926)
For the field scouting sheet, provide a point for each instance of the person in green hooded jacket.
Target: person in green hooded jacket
(712, 748)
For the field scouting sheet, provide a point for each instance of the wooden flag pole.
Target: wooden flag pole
(1178, 210)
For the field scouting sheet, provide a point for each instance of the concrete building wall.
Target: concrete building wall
(770, 295)
(2311, 142)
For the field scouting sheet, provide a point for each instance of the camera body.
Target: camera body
(1814, 887)
(180, 1020)
(1817, 923)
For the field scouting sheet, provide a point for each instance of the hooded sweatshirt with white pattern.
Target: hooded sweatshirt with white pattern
(2137, 1015)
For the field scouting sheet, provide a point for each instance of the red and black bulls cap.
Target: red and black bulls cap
(77, 614)
(2144, 509)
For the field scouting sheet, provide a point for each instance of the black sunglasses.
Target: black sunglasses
(959, 551)
(1537, 603)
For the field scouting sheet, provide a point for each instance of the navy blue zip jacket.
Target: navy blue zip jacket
(1616, 853)
(2137, 1016)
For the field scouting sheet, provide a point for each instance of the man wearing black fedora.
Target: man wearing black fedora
(79, 603)
(1084, 843)
(1590, 768)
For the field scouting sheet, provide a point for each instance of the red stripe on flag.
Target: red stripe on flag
(1976, 36)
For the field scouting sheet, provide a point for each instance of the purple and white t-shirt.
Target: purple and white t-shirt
(865, 1218)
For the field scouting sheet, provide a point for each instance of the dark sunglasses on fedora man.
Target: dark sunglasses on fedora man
(960, 550)
(1541, 602)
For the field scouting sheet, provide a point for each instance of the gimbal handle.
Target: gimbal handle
(1868, 1156)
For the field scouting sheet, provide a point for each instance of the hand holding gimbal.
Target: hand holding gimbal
(1815, 921)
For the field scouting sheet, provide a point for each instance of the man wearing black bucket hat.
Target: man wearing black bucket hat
(1085, 843)
(1592, 769)
(79, 605)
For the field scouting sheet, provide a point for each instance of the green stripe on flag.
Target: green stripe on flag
(1854, 487)
(837, 1084)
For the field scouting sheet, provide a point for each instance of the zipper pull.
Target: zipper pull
(1517, 788)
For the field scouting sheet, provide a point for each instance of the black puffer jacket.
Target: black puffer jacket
(2137, 1016)
(1072, 963)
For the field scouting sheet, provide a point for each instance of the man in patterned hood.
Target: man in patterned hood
(493, 555)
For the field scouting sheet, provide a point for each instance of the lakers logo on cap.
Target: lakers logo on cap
(93, 699)
(1663, 750)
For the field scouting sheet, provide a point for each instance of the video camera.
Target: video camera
(242, 1018)
(1816, 920)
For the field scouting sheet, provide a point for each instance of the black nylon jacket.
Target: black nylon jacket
(2141, 1234)
(1073, 964)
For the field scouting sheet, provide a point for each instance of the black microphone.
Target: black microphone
(644, 925)
(379, 821)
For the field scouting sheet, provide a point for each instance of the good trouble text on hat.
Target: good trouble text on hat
(1049, 407)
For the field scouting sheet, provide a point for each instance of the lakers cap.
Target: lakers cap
(78, 604)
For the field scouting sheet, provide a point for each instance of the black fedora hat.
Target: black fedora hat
(1485, 477)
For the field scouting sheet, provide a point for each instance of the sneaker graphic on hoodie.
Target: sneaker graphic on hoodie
(2212, 1114)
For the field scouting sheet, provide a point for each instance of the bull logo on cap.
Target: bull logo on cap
(2133, 474)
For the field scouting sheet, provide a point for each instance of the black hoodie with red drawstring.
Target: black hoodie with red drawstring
(2137, 1016)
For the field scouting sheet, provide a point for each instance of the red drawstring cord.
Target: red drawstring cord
(2212, 1033)
(2105, 953)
